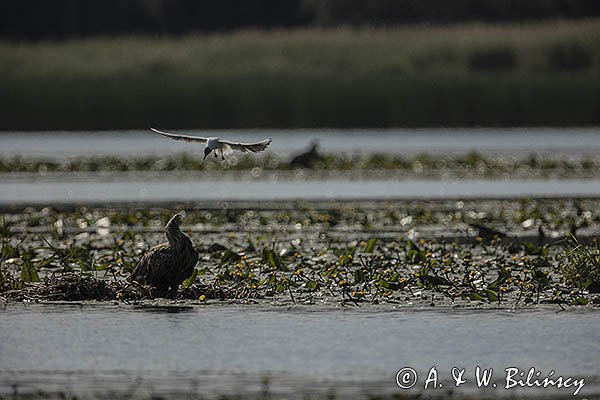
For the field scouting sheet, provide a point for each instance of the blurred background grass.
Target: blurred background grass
(520, 74)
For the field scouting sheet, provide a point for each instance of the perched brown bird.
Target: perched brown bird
(307, 158)
(167, 265)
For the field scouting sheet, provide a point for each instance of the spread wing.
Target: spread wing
(185, 138)
(245, 147)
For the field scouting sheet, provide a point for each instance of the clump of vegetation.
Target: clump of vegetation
(77, 287)
(500, 57)
(569, 56)
(8, 280)
(580, 265)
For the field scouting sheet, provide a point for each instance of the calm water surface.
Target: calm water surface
(401, 141)
(233, 349)
(93, 188)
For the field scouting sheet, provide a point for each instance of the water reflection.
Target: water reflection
(164, 309)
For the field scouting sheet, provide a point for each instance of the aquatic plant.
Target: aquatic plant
(8, 280)
(580, 265)
(417, 252)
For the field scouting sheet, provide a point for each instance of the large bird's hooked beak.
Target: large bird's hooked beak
(206, 152)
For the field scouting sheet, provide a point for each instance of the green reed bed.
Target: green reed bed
(467, 165)
(447, 253)
(533, 74)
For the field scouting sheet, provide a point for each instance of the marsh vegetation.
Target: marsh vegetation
(458, 253)
(389, 165)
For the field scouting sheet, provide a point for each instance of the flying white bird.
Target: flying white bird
(218, 144)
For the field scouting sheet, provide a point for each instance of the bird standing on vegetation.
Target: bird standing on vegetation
(167, 265)
(307, 158)
(217, 144)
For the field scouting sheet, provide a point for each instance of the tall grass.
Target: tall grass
(580, 265)
(537, 74)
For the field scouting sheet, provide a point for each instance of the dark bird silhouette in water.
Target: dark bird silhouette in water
(307, 158)
(165, 266)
